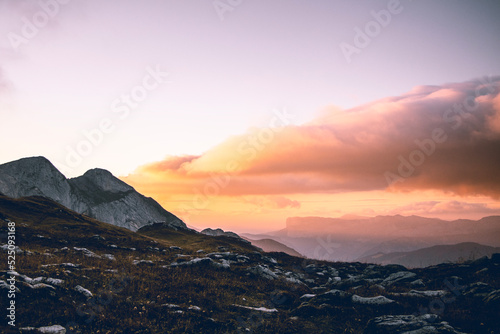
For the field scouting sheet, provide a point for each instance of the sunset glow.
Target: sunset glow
(241, 116)
(366, 161)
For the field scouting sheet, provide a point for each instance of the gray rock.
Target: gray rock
(54, 329)
(143, 262)
(378, 300)
(429, 293)
(399, 277)
(263, 271)
(110, 257)
(201, 261)
(417, 282)
(84, 291)
(409, 324)
(332, 297)
(307, 296)
(86, 252)
(219, 232)
(492, 299)
(478, 290)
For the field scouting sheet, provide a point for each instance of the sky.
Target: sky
(238, 114)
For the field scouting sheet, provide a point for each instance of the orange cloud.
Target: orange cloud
(433, 137)
(440, 208)
(274, 202)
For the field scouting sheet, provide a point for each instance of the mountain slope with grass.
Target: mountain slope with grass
(270, 245)
(78, 275)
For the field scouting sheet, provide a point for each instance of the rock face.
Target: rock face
(219, 232)
(97, 193)
(34, 177)
(392, 324)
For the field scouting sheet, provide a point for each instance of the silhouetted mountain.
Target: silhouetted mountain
(270, 245)
(466, 251)
(219, 232)
(97, 193)
(34, 176)
(338, 239)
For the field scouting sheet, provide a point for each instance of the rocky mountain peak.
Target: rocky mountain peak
(34, 176)
(104, 180)
(31, 167)
(220, 232)
(97, 193)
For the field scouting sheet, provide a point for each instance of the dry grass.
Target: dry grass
(132, 298)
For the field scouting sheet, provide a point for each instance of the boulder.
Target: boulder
(424, 324)
(399, 277)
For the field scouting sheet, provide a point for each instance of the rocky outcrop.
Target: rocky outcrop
(34, 177)
(219, 232)
(97, 193)
(392, 324)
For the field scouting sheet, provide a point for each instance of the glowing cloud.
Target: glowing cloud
(433, 137)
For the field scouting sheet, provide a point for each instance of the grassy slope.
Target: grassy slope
(128, 297)
(132, 298)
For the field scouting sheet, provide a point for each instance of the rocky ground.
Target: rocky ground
(102, 279)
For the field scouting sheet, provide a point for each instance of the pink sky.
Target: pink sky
(442, 164)
(138, 87)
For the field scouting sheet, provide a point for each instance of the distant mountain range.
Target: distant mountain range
(430, 256)
(270, 245)
(75, 274)
(352, 238)
(382, 239)
(219, 232)
(78, 274)
(97, 193)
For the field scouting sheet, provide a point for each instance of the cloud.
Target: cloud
(433, 137)
(23, 21)
(274, 202)
(448, 207)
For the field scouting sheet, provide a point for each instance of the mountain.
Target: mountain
(197, 241)
(220, 232)
(430, 256)
(34, 176)
(270, 245)
(341, 239)
(73, 274)
(97, 193)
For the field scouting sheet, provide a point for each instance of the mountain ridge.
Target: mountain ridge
(434, 255)
(80, 275)
(338, 239)
(96, 193)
